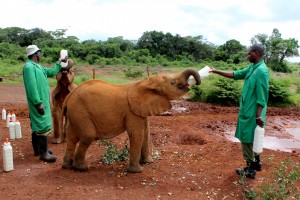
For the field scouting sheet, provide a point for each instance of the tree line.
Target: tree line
(152, 48)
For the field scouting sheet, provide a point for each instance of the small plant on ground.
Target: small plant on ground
(112, 153)
(283, 185)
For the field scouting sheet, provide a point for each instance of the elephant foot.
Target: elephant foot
(56, 141)
(67, 164)
(82, 167)
(146, 160)
(134, 169)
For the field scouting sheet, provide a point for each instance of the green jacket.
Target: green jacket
(255, 91)
(37, 92)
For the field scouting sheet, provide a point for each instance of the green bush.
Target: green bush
(279, 92)
(133, 73)
(224, 92)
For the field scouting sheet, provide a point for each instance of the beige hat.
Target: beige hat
(31, 49)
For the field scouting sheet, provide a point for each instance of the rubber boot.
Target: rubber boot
(43, 150)
(257, 163)
(35, 145)
(248, 171)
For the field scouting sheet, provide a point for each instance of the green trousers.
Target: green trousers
(248, 153)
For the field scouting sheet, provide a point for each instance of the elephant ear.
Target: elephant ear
(145, 99)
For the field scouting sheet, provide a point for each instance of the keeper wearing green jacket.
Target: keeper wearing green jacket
(38, 98)
(253, 106)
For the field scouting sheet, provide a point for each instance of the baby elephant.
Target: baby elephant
(100, 110)
(64, 86)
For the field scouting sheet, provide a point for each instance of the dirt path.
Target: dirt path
(193, 158)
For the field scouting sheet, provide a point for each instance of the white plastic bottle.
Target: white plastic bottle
(8, 163)
(8, 118)
(13, 115)
(63, 54)
(3, 114)
(204, 72)
(12, 132)
(258, 142)
(18, 129)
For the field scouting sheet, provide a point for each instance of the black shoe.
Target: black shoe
(248, 172)
(257, 164)
(43, 150)
(34, 143)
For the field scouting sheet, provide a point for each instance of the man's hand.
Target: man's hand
(40, 109)
(260, 122)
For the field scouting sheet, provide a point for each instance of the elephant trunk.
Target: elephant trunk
(191, 72)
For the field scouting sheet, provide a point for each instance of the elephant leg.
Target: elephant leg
(145, 155)
(136, 139)
(79, 159)
(70, 149)
(57, 125)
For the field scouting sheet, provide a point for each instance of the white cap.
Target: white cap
(31, 49)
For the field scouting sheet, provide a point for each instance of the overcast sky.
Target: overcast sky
(216, 20)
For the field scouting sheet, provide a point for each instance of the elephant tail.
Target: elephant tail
(63, 115)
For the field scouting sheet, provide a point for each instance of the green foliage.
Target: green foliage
(224, 92)
(133, 73)
(196, 93)
(230, 52)
(283, 184)
(113, 154)
(277, 49)
(279, 92)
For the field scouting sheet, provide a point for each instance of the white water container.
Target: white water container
(204, 72)
(18, 129)
(63, 54)
(258, 142)
(13, 115)
(8, 118)
(3, 114)
(12, 132)
(8, 163)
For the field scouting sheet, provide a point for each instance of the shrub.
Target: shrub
(225, 92)
(133, 73)
(279, 93)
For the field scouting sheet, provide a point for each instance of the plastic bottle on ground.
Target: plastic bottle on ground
(12, 132)
(13, 115)
(3, 114)
(8, 164)
(8, 118)
(18, 129)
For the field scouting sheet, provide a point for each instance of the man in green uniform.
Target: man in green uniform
(253, 106)
(38, 98)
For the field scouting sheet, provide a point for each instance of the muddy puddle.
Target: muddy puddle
(289, 143)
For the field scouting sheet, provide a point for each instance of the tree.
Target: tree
(230, 50)
(277, 49)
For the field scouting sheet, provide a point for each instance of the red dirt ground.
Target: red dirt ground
(193, 158)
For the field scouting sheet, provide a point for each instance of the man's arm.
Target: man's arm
(222, 73)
